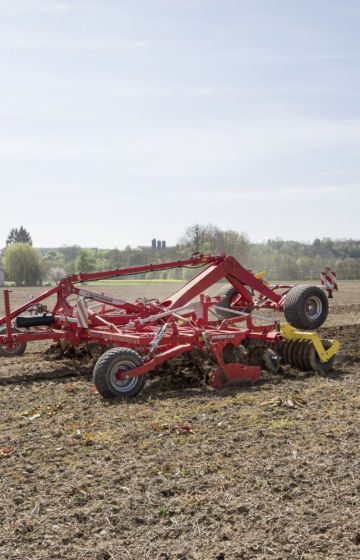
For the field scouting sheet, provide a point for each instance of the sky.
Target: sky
(124, 120)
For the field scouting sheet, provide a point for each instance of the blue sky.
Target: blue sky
(126, 120)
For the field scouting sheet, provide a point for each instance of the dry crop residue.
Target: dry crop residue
(189, 473)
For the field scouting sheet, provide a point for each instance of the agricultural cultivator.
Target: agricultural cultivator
(138, 336)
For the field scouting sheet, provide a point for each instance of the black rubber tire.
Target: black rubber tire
(227, 295)
(17, 351)
(105, 370)
(306, 307)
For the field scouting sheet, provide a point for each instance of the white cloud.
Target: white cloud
(330, 191)
(54, 8)
(15, 41)
(189, 150)
(272, 56)
(139, 91)
(24, 7)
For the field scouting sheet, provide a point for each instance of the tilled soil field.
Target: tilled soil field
(182, 473)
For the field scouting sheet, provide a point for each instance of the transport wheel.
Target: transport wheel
(306, 307)
(112, 362)
(17, 350)
(227, 297)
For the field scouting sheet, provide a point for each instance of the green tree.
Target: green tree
(305, 267)
(70, 252)
(84, 261)
(20, 235)
(211, 239)
(22, 264)
(232, 243)
(194, 238)
(115, 258)
(56, 273)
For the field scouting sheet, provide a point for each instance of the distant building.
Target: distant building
(156, 245)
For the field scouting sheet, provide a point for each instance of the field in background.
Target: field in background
(181, 472)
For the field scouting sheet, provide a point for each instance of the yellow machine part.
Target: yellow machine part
(262, 276)
(291, 333)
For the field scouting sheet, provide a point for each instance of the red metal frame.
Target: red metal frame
(159, 330)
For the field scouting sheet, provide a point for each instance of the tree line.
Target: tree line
(283, 260)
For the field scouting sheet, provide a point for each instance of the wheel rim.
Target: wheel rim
(122, 385)
(10, 351)
(313, 307)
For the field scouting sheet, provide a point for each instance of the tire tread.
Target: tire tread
(20, 348)
(294, 307)
(101, 368)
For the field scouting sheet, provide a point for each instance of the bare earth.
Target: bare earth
(182, 473)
